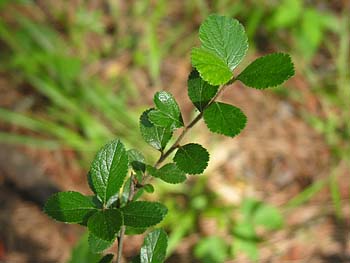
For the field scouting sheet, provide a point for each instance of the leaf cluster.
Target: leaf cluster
(118, 177)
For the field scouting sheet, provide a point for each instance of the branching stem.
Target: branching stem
(162, 157)
(176, 144)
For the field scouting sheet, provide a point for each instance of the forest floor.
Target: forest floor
(275, 158)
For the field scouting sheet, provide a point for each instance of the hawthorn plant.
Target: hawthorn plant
(118, 176)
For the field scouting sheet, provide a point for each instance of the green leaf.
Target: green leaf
(248, 208)
(211, 250)
(70, 207)
(245, 231)
(245, 239)
(167, 114)
(288, 13)
(225, 37)
(267, 71)
(224, 45)
(143, 214)
(148, 188)
(126, 192)
(152, 170)
(224, 119)
(154, 247)
(105, 224)
(156, 136)
(98, 245)
(136, 160)
(247, 247)
(268, 216)
(210, 67)
(138, 194)
(107, 258)
(200, 91)
(108, 171)
(171, 174)
(129, 230)
(192, 158)
(82, 253)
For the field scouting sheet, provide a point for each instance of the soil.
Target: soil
(273, 159)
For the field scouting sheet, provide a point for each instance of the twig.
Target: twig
(162, 157)
(122, 229)
(120, 244)
(176, 144)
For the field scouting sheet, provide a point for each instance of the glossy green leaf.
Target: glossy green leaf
(154, 247)
(192, 158)
(210, 67)
(70, 207)
(143, 213)
(171, 174)
(98, 245)
(225, 37)
(156, 136)
(167, 113)
(223, 46)
(136, 160)
(105, 224)
(200, 91)
(126, 192)
(267, 71)
(224, 119)
(108, 171)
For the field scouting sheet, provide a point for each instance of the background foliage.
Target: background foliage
(81, 72)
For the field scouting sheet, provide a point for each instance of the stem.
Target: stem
(122, 229)
(176, 144)
(120, 244)
(162, 157)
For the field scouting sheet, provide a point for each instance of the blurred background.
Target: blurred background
(74, 74)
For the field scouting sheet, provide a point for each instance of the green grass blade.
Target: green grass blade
(335, 193)
(306, 195)
(28, 140)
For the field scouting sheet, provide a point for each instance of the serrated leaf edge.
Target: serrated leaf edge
(122, 223)
(164, 130)
(239, 131)
(160, 177)
(176, 121)
(200, 74)
(205, 162)
(55, 194)
(166, 241)
(191, 76)
(233, 20)
(278, 84)
(99, 251)
(163, 209)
